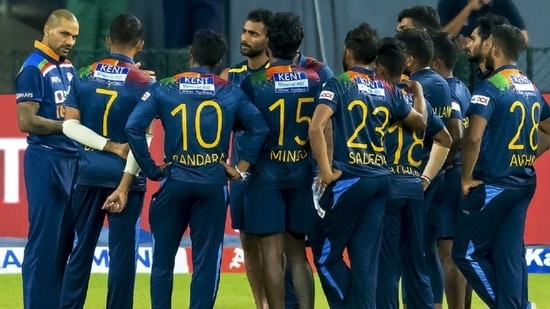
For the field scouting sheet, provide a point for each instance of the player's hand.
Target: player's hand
(478, 4)
(327, 179)
(230, 171)
(164, 166)
(60, 111)
(116, 202)
(148, 72)
(469, 184)
(413, 85)
(119, 149)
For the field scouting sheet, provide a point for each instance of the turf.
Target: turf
(234, 292)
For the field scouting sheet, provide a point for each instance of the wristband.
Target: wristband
(424, 177)
(244, 175)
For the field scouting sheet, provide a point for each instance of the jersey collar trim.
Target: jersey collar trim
(47, 50)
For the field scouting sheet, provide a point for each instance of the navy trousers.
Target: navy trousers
(123, 231)
(488, 247)
(352, 219)
(49, 177)
(176, 206)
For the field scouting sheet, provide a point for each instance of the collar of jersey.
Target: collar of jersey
(46, 50)
(505, 67)
(362, 71)
(121, 57)
(281, 62)
(302, 60)
(202, 70)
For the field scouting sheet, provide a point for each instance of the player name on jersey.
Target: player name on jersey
(198, 159)
(288, 155)
(197, 85)
(110, 74)
(290, 82)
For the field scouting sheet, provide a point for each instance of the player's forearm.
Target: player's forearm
(319, 148)
(470, 153)
(329, 140)
(255, 133)
(125, 183)
(140, 150)
(84, 135)
(455, 130)
(438, 155)
(35, 124)
(456, 24)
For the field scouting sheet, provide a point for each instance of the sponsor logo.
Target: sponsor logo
(373, 88)
(197, 85)
(145, 96)
(327, 95)
(538, 259)
(55, 80)
(12, 258)
(60, 96)
(110, 74)
(290, 82)
(237, 262)
(480, 99)
(25, 95)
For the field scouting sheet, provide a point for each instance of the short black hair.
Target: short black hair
(260, 16)
(125, 29)
(422, 17)
(417, 44)
(208, 48)
(391, 56)
(363, 42)
(284, 33)
(445, 48)
(510, 39)
(486, 23)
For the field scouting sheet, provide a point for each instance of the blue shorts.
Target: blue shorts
(236, 204)
(269, 210)
(450, 207)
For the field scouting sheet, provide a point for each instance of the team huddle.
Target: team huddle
(392, 163)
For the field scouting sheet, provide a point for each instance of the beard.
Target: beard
(489, 62)
(345, 66)
(475, 57)
(248, 51)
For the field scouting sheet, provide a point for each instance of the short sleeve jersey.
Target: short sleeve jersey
(105, 93)
(511, 105)
(363, 106)
(45, 79)
(198, 111)
(286, 95)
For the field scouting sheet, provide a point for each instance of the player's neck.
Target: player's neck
(126, 51)
(499, 62)
(256, 62)
(355, 64)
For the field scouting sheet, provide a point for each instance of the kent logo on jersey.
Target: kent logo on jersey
(522, 85)
(371, 87)
(110, 74)
(197, 85)
(286, 82)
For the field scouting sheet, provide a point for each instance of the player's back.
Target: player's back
(511, 104)
(197, 110)
(106, 93)
(286, 96)
(364, 106)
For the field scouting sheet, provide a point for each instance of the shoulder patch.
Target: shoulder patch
(480, 99)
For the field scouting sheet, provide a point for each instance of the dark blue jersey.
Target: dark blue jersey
(461, 101)
(364, 106)
(198, 110)
(511, 104)
(286, 95)
(404, 149)
(239, 72)
(236, 75)
(105, 94)
(324, 72)
(44, 78)
(438, 94)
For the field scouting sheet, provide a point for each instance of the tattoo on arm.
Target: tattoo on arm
(30, 122)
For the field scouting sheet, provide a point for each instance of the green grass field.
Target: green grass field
(234, 292)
